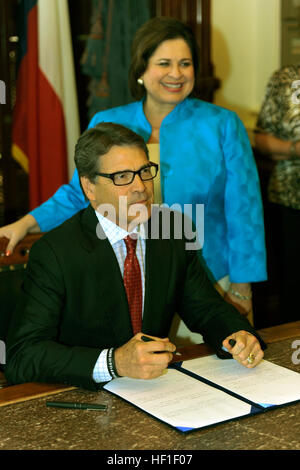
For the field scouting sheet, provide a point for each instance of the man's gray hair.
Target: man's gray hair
(98, 141)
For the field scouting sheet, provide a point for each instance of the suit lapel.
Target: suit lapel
(105, 266)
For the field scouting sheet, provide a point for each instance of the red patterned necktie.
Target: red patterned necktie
(133, 284)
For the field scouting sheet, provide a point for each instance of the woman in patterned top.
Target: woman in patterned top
(278, 137)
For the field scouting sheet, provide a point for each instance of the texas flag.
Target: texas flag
(45, 119)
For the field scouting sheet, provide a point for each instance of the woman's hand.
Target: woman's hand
(16, 231)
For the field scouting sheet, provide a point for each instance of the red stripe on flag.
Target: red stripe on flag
(49, 171)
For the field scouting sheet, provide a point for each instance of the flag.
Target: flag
(45, 118)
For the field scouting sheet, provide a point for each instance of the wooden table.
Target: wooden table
(30, 424)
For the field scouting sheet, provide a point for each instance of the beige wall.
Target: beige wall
(245, 52)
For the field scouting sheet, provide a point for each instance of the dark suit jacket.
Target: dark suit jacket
(74, 303)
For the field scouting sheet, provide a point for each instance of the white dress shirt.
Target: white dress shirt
(115, 236)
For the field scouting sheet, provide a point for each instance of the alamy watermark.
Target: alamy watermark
(2, 352)
(2, 92)
(296, 354)
(166, 221)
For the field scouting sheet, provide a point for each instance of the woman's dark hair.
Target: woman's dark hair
(98, 141)
(148, 38)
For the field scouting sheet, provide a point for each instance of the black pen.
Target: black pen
(76, 405)
(147, 338)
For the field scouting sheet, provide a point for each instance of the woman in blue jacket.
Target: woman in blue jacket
(204, 154)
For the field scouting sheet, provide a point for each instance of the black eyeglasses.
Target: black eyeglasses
(122, 178)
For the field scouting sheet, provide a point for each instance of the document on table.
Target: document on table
(179, 400)
(206, 391)
(266, 384)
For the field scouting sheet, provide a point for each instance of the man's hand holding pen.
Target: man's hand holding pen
(138, 357)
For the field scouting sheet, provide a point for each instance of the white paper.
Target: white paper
(265, 384)
(179, 400)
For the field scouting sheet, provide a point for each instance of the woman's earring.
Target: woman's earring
(140, 81)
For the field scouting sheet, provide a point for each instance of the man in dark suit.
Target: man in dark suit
(73, 322)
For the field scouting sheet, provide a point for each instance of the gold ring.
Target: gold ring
(250, 358)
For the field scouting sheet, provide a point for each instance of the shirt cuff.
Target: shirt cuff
(100, 372)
